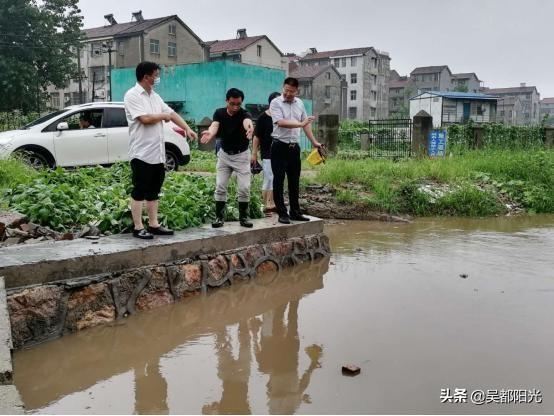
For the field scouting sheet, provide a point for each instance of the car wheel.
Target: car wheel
(33, 158)
(171, 160)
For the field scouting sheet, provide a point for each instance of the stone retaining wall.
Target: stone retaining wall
(41, 312)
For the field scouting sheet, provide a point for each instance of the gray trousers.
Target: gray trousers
(226, 165)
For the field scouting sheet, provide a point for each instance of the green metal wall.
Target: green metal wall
(202, 87)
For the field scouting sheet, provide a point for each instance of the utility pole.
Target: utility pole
(109, 51)
(93, 85)
(80, 75)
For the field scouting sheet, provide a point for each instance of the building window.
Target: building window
(97, 74)
(75, 98)
(337, 62)
(374, 61)
(55, 99)
(373, 111)
(374, 95)
(171, 49)
(327, 91)
(353, 95)
(374, 78)
(121, 48)
(259, 50)
(343, 62)
(173, 30)
(96, 49)
(66, 99)
(353, 61)
(328, 75)
(353, 78)
(352, 112)
(154, 46)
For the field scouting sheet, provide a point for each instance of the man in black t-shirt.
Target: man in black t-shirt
(234, 126)
(263, 140)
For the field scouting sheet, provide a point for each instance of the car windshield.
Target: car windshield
(43, 119)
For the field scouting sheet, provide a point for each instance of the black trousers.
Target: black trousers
(285, 160)
(147, 180)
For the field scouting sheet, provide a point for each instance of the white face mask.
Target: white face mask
(157, 81)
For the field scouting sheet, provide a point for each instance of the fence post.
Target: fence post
(423, 124)
(203, 126)
(478, 137)
(328, 131)
(364, 140)
(549, 137)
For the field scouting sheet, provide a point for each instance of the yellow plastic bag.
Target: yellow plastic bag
(315, 157)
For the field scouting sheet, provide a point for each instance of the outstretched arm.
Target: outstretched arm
(210, 133)
(177, 119)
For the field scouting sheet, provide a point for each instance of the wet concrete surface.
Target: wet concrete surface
(391, 300)
(51, 261)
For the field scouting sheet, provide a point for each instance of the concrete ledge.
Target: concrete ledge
(10, 401)
(64, 287)
(6, 376)
(28, 265)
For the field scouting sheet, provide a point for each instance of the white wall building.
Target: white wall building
(455, 107)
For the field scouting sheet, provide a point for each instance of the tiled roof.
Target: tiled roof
(465, 75)
(309, 71)
(220, 46)
(123, 28)
(338, 52)
(548, 100)
(513, 90)
(429, 69)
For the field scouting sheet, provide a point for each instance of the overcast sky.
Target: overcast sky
(505, 42)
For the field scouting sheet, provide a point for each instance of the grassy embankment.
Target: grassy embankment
(475, 183)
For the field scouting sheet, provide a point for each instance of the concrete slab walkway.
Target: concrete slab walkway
(26, 265)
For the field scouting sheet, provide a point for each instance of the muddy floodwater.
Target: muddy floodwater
(427, 310)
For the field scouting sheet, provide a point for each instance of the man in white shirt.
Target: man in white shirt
(146, 111)
(289, 116)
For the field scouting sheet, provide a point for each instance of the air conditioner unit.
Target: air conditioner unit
(100, 93)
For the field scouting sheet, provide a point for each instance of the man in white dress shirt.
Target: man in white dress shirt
(146, 111)
(289, 116)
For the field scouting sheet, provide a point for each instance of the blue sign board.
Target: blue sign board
(437, 143)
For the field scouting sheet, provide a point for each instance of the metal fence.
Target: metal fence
(389, 138)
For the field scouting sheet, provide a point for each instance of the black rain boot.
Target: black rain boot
(219, 214)
(243, 215)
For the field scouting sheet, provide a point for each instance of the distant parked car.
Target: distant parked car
(85, 135)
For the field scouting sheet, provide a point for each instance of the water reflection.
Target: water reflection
(394, 304)
(80, 361)
(150, 389)
(234, 373)
(276, 344)
(277, 349)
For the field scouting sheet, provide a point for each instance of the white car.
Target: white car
(85, 135)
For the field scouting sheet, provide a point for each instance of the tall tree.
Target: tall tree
(38, 46)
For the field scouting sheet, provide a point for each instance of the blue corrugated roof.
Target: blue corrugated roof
(460, 95)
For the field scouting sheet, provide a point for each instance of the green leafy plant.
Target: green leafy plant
(66, 200)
